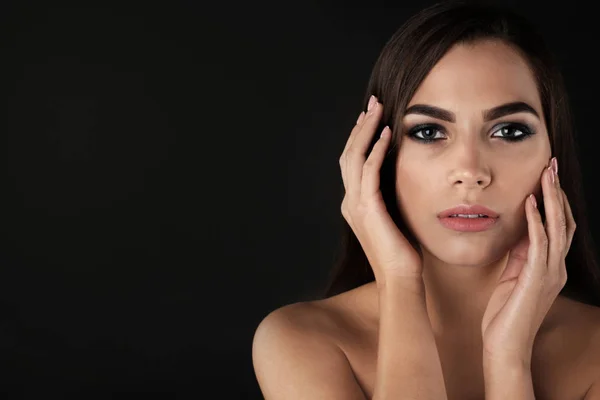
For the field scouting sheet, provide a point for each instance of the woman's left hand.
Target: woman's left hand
(533, 278)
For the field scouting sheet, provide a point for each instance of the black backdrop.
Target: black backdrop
(170, 175)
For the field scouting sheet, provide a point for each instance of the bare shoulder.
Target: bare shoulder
(303, 318)
(576, 341)
(295, 355)
(582, 320)
(325, 319)
(589, 316)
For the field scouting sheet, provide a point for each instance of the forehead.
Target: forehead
(480, 75)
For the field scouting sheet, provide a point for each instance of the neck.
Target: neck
(457, 295)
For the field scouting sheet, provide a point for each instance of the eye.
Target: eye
(510, 132)
(514, 132)
(427, 132)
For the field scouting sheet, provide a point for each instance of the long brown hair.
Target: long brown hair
(404, 62)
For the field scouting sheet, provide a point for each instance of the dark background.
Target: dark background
(170, 176)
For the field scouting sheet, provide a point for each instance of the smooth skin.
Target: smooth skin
(543, 277)
(389, 253)
(470, 161)
(534, 275)
(519, 278)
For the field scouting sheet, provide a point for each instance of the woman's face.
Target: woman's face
(472, 160)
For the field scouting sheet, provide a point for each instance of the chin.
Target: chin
(469, 255)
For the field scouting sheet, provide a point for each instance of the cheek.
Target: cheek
(523, 180)
(415, 191)
(407, 183)
(513, 188)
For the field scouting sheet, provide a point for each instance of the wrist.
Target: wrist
(402, 284)
(510, 379)
(495, 367)
(512, 362)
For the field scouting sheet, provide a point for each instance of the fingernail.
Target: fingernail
(533, 201)
(551, 173)
(372, 101)
(555, 165)
(359, 117)
(385, 133)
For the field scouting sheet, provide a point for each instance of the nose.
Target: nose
(468, 166)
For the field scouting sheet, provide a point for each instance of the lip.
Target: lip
(468, 209)
(468, 224)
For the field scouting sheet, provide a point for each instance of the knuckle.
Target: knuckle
(558, 284)
(351, 153)
(354, 153)
(345, 214)
(361, 209)
(352, 207)
(562, 280)
(369, 164)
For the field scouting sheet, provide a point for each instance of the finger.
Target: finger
(359, 122)
(361, 118)
(372, 167)
(342, 160)
(561, 265)
(347, 216)
(555, 221)
(356, 153)
(524, 298)
(537, 254)
(355, 130)
(557, 183)
(569, 220)
(571, 224)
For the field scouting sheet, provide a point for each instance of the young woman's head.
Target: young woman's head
(477, 107)
(464, 153)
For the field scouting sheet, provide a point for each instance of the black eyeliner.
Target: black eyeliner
(527, 132)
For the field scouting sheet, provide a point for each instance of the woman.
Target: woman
(460, 232)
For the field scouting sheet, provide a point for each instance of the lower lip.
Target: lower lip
(468, 224)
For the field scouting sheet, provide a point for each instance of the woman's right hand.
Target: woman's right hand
(387, 249)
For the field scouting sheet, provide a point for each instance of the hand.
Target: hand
(533, 277)
(388, 251)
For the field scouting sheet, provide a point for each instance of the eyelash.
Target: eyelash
(527, 131)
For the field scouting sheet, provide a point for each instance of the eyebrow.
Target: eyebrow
(488, 115)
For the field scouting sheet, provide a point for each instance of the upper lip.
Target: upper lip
(468, 209)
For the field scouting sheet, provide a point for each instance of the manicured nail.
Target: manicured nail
(385, 133)
(372, 101)
(359, 117)
(555, 165)
(551, 173)
(533, 201)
